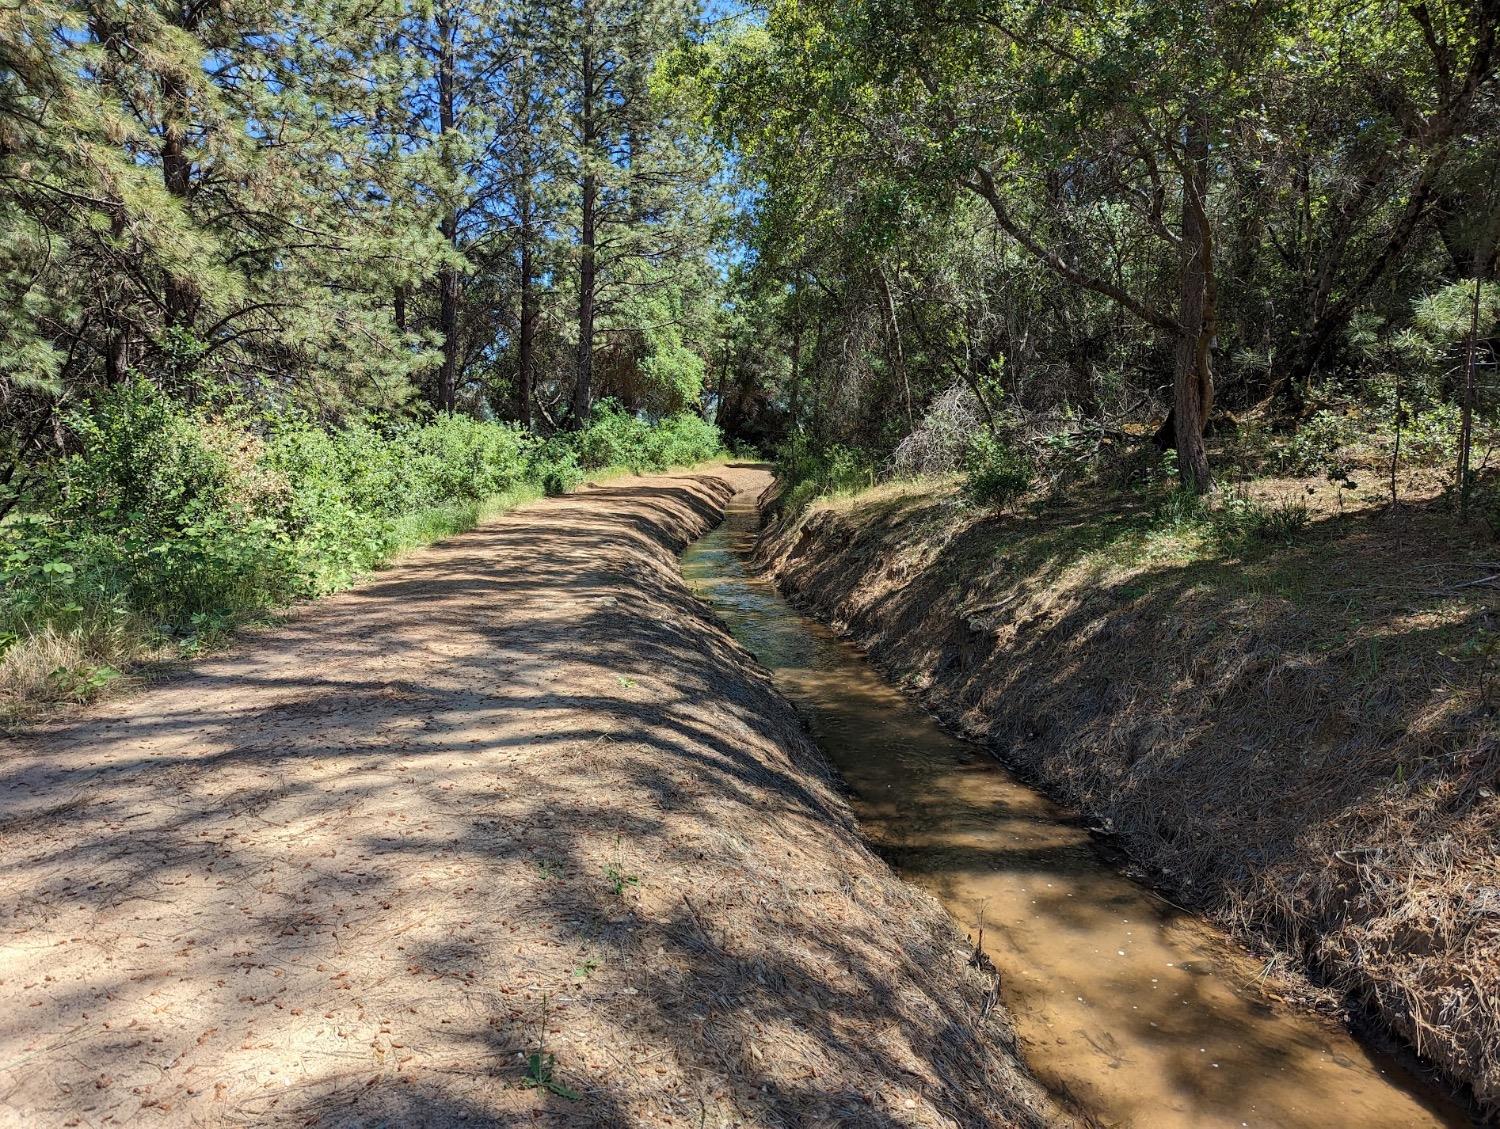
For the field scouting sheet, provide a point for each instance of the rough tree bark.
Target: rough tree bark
(583, 387)
(1193, 379)
(177, 176)
(526, 345)
(450, 283)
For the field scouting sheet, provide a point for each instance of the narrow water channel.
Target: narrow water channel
(1143, 1014)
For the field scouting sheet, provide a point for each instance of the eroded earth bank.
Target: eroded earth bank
(512, 833)
(1294, 740)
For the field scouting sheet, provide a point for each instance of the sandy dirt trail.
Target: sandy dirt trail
(519, 793)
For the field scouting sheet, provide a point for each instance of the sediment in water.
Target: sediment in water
(1242, 749)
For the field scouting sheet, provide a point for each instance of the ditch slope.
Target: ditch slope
(512, 833)
(1297, 739)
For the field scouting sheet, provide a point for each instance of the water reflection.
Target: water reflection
(1145, 1015)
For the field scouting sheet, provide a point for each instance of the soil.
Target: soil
(1298, 739)
(512, 833)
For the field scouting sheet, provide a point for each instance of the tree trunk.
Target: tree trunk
(895, 331)
(583, 387)
(526, 346)
(794, 396)
(177, 177)
(450, 284)
(450, 291)
(117, 345)
(1193, 383)
(1466, 429)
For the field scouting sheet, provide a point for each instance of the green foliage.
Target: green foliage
(556, 467)
(1236, 519)
(617, 438)
(808, 470)
(1430, 438)
(939, 189)
(995, 473)
(1449, 314)
(185, 522)
(1321, 443)
(1232, 519)
(153, 511)
(618, 880)
(613, 437)
(541, 1065)
(682, 440)
(541, 1074)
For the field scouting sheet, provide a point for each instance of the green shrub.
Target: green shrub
(555, 468)
(1430, 437)
(617, 438)
(165, 521)
(158, 509)
(1321, 443)
(995, 472)
(808, 471)
(683, 440)
(456, 457)
(613, 438)
(1237, 519)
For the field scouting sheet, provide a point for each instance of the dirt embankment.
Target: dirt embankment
(1298, 739)
(517, 796)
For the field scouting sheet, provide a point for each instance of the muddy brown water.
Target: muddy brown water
(1140, 1013)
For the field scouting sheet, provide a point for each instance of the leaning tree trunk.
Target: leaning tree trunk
(1193, 382)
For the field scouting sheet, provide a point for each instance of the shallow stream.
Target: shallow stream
(1140, 1013)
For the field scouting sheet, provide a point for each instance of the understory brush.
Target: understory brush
(995, 472)
(808, 470)
(617, 438)
(164, 528)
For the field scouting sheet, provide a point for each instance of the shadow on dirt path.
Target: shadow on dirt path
(519, 794)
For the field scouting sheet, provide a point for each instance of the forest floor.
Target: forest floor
(513, 832)
(1294, 732)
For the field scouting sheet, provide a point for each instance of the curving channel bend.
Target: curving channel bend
(1141, 1014)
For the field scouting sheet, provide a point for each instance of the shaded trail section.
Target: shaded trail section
(518, 795)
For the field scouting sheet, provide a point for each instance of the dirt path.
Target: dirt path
(346, 874)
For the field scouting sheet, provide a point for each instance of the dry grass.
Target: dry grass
(54, 666)
(1299, 737)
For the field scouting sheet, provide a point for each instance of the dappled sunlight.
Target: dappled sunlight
(1119, 997)
(519, 794)
(1277, 760)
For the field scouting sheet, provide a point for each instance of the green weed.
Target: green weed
(541, 1067)
(618, 879)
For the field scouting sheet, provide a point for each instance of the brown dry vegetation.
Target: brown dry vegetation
(1298, 737)
(519, 795)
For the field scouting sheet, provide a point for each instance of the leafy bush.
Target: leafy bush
(1321, 443)
(682, 440)
(555, 467)
(613, 437)
(995, 473)
(1430, 437)
(809, 471)
(164, 521)
(617, 438)
(153, 509)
